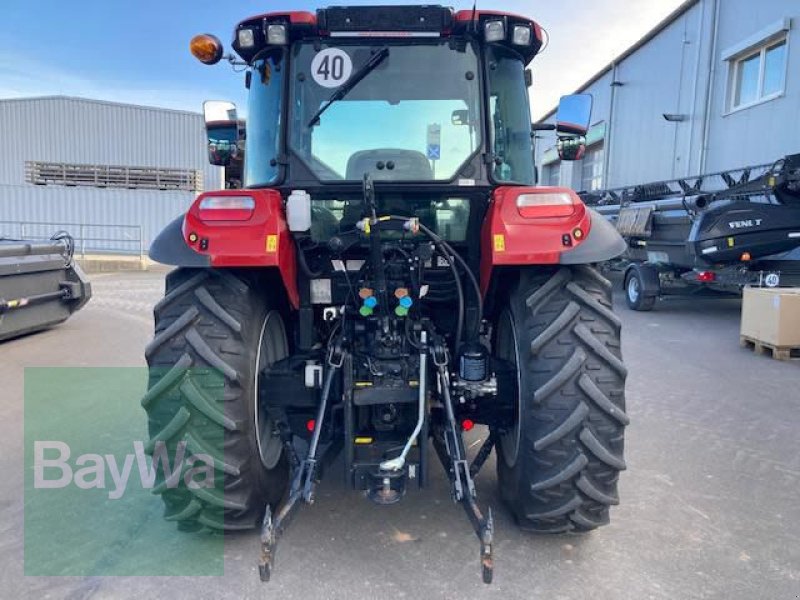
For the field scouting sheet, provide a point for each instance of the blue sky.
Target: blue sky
(138, 51)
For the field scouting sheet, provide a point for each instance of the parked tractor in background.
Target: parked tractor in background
(387, 277)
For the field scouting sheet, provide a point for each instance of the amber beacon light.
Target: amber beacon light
(206, 48)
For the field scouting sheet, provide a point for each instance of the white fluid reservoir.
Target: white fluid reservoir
(298, 210)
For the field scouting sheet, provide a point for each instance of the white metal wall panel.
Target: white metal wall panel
(672, 73)
(72, 130)
(656, 80)
(152, 210)
(79, 131)
(761, 133)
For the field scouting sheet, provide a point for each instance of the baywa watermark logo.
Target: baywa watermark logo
(111, 489)
(52, 468)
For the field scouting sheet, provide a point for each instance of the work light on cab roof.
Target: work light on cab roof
(273, 29)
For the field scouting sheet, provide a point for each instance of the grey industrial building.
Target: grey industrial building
(112, 174)
(715, 86)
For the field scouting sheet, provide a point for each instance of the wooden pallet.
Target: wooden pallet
(777, 352)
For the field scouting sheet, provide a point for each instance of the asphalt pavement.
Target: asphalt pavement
(709, 504)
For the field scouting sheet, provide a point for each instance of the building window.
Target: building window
(150, 178)
(592, 169)
(758, 75)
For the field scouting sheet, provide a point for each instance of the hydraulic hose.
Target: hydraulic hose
(473, 281)
(301, 259)
(450, 252)
(450, 255)
(461, 303)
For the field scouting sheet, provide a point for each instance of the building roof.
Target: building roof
(80, 100)
(666, 22)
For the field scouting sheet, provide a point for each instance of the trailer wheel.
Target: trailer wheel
(213, 331)
(635, 296)
(558, 466)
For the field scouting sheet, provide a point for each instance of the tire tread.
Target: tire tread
(573, 407)
(201, 370)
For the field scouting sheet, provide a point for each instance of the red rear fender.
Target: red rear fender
(243, 228)
(531, 226)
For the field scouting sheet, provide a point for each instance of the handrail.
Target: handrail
(81, 233)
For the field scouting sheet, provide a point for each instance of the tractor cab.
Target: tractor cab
(408, 95)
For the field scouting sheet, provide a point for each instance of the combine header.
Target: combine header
(715, 232)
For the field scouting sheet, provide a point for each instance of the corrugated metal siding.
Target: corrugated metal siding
(92, 132)
(656, 79)
(152, 210)
(669, 74)
(72, 130)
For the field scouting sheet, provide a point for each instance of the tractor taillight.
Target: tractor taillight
(546, 205)
(706, 276)
(226, 208)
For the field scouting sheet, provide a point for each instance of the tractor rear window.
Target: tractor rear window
(413, 116)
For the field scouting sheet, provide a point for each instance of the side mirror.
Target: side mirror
(460, 117)
(574, 114)
(222, 132)
(572, 122)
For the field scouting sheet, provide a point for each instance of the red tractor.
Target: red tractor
(388, 276)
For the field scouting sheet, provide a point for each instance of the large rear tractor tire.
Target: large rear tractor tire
(558, 466)
(214, 329)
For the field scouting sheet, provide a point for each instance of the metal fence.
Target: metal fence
(89, 237)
